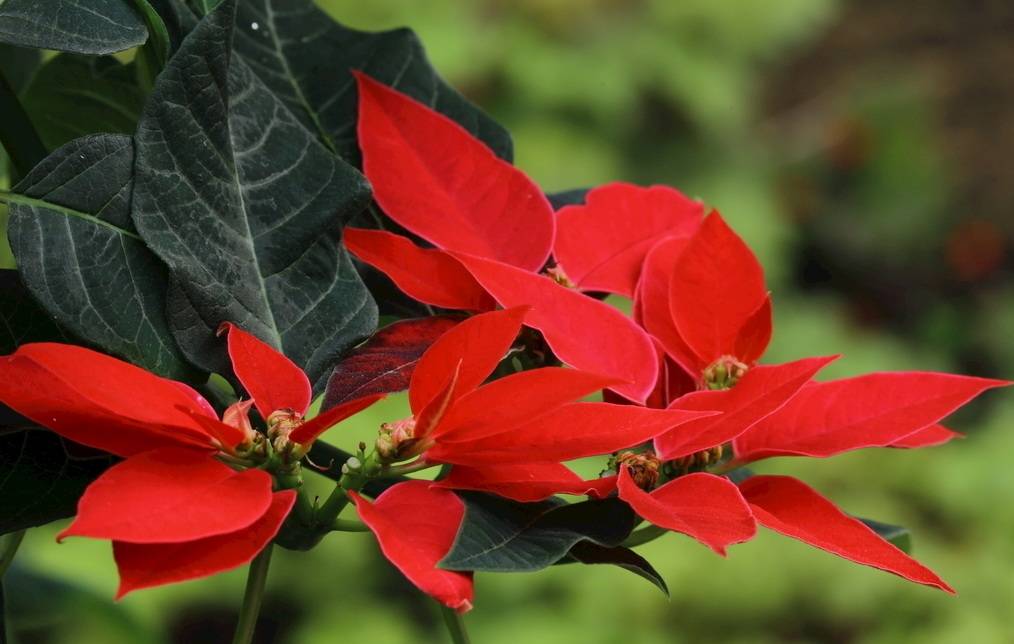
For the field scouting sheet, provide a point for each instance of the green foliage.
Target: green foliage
(80, 257)
(73, 95)
(284, 41)
(498, 535)
(251, 171)
(80, 26)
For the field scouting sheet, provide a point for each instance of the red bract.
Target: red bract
(601, 245)
(526, 482)
(527, 417)
(792, 508)
(415, 524)
(173, 510)
(493, 230)
(437, 180)
(875, 410)
(706, 507)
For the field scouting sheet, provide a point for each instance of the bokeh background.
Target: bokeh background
(862, 148)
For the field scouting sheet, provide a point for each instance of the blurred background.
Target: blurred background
(861, 148)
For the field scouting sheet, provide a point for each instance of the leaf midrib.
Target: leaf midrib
(35, 202)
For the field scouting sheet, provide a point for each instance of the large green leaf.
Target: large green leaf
(898, 536)
(43, 474)
(73, 95)
(80, 26)
(305, 58)
(21, 318)
(499, 535)
(590, 553)
(245, 205)
(80, 257)
(17, 65)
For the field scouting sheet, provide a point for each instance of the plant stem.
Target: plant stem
(455, 625)
(17, 134)
(9, 548)
(346, 525)
(644, 535)
(408, 468)
(256, 578)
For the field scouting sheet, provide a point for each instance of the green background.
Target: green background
(835, 157)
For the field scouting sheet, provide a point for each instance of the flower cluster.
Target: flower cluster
(685, 403)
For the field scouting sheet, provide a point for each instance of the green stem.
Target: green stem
(346, 525)
(9, 548)
(408, 468)
(17, 134)
(644, 535)
(455, 625)
(252, 598)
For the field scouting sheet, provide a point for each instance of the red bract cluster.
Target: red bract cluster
(686, 402)
(702, 319)
(184, 503)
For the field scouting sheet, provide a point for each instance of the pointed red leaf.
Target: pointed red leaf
(384, 364)
(272, 380)
(651, 303)
(716, 287)
(435, 179)
(601, 245)
(575, 430)
(755, 334)
(516, 399)
(428, 275)
(478, 344)
(526, 483)
(311, 429)
(429, 417)
(706, 507)
(100, 401)
(927, 437)
(874, 410)
(791, 507)
(583, 332)
(227, 435)
(170, 495)
(144, 565)
(762, 391)
(415, 524)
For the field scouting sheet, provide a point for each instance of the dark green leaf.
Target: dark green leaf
(17, 64)
(80, 257)
(573, 197)
(152, 57)
(204, 7)
(244, 206)
(178, 19)
(80, 26)
(899, 536)
(43, 475)
(23, 320)
(498, 535)
(73, 95)
(587, 552)
(304, 57)
(739, 474)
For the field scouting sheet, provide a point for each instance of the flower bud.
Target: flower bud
(396, 439)
(724, 373)
(644, 468)
(558, 276)
(282, 422)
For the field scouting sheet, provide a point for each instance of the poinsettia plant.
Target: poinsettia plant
(194, 273)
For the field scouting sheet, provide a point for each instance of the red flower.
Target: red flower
(509, 436)
(704, 300)
(523, 418)
(173, 509)
(493, 231)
